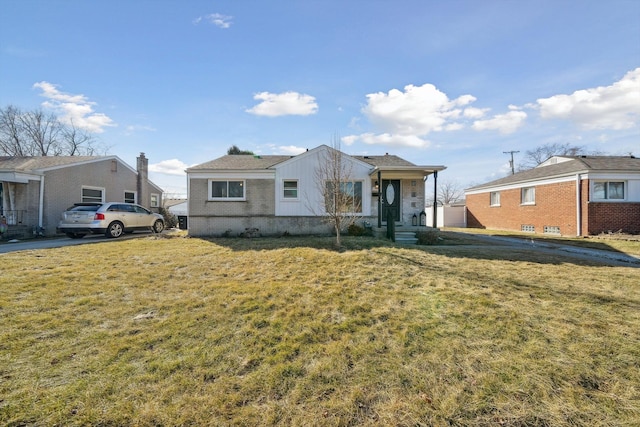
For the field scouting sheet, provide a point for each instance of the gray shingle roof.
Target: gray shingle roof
(386, 160)
(241, 162)
(577, 164)
(29, 163)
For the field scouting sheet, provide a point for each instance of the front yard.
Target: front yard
(174, 331)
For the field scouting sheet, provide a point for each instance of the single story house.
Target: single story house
(565, 195)
(281, 194)
(34, 191)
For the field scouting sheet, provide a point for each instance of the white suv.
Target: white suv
(112, 219)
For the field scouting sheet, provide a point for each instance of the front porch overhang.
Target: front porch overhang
(405, 172)
(18, 177)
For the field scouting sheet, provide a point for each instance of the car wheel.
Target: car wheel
(158, 226)
(115, 229)
(75, 235)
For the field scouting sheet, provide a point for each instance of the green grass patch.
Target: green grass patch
(288, 331)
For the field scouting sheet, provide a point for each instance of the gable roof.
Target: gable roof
(240, 162)
(568, 165)
(35, 163)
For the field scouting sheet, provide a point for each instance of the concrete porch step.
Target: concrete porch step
(406, 237)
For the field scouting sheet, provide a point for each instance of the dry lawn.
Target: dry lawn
(158, 331)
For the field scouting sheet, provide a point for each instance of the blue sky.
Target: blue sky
(452, 83)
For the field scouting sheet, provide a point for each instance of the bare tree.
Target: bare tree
(41, 133)
(341, 194)
(449, 191)
(534, 157)
(36, 133)
(10, 132)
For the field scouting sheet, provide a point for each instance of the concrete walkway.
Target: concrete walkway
(594, 255)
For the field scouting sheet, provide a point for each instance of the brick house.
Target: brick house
(280, 194)
(565, 195)
(34, 191)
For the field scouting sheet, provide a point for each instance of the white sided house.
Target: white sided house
(278, 195)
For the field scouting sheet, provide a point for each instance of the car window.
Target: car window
(141, 210)
(84, 208)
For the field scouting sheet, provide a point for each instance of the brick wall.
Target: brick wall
(605, 217)
(555, 205)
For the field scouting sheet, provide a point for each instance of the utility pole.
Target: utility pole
(513, 171)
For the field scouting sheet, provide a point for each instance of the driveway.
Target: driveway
(606, 257)
(58, 242)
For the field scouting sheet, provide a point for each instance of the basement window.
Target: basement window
(551, 229)
(528, 228)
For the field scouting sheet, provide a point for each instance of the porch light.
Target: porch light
(414, 220)
(423, 218)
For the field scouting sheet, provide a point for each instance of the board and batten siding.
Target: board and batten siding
(310, 201)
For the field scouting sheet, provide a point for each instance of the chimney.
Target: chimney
(141, 185)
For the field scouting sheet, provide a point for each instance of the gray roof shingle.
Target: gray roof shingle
(577, 164)
(241, 162)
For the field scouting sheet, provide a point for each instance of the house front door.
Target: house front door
(391, 199)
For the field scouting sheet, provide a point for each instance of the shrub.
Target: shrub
(429, 237)
(355, 230)
(170, 220)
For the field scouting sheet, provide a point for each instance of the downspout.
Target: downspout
(379, 199)
(435, 200)
(41, 205)
(578, 207)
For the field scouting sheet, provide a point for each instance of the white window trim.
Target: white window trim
(135, 195)
(227, 199)
(607, 182)
(290, 199)
(151, 204)
(88, 187)
(522, 202)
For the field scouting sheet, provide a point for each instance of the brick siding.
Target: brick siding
(555, 205)
(606, 217)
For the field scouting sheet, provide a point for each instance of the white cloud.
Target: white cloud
(606, 107)
(291, 149)
(139, 128)
(169, 167)
(76, 109)
(217, 19)
(387, 139)
(418, 110)
(283, 104)
(405, 117)
(503, 123)
(474, 113)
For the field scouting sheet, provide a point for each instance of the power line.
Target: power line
(513, 171)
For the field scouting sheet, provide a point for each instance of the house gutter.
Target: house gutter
(578, 207)
(41, 204)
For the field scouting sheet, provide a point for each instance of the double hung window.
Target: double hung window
(528, 196)
(290, 189)
(495, 198)
(92, 194)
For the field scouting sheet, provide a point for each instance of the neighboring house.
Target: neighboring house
(565, 195)
(34, 191)
(280, 194)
